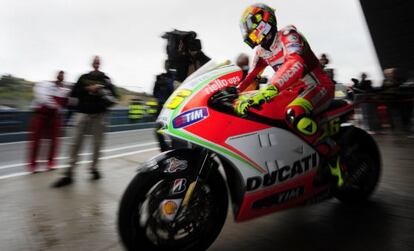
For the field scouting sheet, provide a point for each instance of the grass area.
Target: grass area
(18, 93)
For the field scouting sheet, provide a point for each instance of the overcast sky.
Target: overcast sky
(43, 36)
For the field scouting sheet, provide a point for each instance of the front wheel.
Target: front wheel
(143, 226)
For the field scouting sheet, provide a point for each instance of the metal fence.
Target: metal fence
(386, 111)
(14, 124)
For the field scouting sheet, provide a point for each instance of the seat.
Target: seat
(337, 108)
(337, 103)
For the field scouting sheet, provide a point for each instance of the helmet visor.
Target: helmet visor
(247, 28)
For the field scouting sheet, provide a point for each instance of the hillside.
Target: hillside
(17, 93)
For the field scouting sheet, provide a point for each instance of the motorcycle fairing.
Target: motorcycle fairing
(291, 166)
(204, 134)
(293, 193)
(271, 148)
(256, 149)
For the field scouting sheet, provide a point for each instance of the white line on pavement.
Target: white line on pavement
(82, 154)
(84, 162)
(130, 146)
(125, 131)
(113, 149)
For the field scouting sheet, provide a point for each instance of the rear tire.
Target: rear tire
(361, 156)
(205, 216)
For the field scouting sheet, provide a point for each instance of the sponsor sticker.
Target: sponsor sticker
(279, 198)
(179, 186)
(289, 73)
(190, 117)
(175, 165)
(261, 27)
(283, 173)
(219, 84)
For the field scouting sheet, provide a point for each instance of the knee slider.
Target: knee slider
(307, 126)
(298, 118)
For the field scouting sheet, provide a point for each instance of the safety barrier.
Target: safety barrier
(14, 125)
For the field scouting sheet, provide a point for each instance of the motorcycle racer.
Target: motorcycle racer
(296, 68)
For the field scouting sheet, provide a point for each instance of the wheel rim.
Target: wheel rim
(188, 226)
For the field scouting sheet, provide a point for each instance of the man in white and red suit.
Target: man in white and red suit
(49, 100)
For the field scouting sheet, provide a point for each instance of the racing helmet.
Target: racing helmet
(257, 22)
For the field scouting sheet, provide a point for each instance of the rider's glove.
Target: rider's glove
(265, 95)
(243, 103)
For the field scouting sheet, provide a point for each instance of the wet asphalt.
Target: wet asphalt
(34, 216)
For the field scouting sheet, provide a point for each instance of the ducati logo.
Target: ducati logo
(295, 68)
(282, 174)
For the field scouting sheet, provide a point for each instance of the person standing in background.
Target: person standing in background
(364, 90)
(196, 59)
(185, 56)
(94, 93)
(164, 85)
(365, 84)
(49, 100)
(400, 105)
(196, 56)
(324, 61)
(163, 88)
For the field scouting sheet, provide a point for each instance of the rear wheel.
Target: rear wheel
(142, 225)
(361, 157)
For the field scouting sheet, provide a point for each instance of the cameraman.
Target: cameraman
(94, 93)
(164, 86)
(196, 57)
(185, 56)
(184, 53)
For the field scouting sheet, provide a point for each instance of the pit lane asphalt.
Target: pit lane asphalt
(34, 216)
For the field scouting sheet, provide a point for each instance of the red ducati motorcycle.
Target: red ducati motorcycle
(179, 199)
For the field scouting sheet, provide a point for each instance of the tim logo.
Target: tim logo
(190, 117)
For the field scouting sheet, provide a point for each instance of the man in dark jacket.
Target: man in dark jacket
(93, 94)
(164, 85)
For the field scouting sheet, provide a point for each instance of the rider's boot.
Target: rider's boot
(336, 171)
(333, 168)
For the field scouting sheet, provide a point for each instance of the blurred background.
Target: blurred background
(42, 37)
(366, 46)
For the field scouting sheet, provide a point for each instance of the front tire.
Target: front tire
(199, 227)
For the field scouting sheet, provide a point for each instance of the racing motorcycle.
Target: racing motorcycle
(179, 199)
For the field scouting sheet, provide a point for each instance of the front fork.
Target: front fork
(203, 168)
